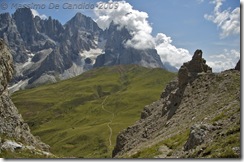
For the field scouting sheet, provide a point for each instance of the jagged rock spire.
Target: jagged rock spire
(190, 70)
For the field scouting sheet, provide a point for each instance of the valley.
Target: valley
(74, 116)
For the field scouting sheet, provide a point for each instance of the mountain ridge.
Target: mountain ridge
(46, 51)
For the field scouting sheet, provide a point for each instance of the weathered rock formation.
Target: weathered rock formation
(14, 132)
(186, 101)
(189, 70)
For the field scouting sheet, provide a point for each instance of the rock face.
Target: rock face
(6, 69)
(116, 53)
(11, 36)
(191, 99)
(12, 126)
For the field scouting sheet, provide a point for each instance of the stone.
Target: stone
(196, 137)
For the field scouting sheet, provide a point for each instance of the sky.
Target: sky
(175, 28)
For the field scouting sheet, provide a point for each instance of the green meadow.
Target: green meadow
(81, 117)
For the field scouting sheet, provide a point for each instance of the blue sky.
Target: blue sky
(182, 21)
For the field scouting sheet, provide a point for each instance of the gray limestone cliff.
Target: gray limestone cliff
(14, 132)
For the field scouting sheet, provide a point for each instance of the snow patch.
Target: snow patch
(18, 86)
(11, 145)
(92, 54)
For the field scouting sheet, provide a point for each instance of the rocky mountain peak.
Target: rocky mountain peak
(25, 23)
(53, 28)
(5, 18)
(81, 21)
(116, 53)
(11, 36)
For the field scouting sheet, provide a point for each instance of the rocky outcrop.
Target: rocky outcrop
(12, 125)
(189, 70)
(157, 115)
(196, 137)
(6, 69)
(186, 103)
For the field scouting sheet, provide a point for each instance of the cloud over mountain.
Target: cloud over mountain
(36, 13)
(137, 24)
(135, 21)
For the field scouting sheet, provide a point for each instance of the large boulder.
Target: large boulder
(196, 137)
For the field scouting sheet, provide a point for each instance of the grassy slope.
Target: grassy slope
(69, 117)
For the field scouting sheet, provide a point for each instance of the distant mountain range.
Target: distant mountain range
(45, 51)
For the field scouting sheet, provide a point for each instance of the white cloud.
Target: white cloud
(35, 13)
(224, 61)
(169, 53)
(135, 21)
(228, 21)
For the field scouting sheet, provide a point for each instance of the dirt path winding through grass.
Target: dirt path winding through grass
(108, 124)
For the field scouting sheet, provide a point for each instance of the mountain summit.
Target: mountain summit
(117, 53)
